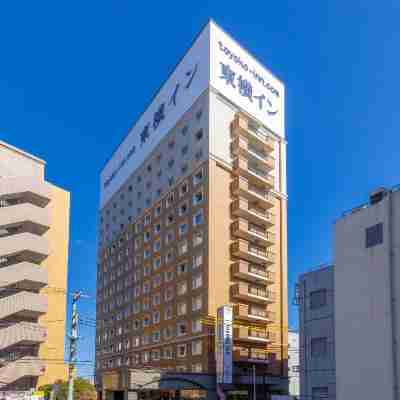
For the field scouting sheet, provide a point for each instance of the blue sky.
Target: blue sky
(75, 75)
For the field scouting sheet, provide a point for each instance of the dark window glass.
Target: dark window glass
(318, 298)
(374, 235)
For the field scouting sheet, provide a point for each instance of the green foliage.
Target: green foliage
(83, 390)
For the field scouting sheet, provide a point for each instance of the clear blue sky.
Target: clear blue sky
(74, 75)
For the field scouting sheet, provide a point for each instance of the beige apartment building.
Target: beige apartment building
(34, 231)
(192, 218)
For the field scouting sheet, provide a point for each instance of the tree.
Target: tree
(83, 390)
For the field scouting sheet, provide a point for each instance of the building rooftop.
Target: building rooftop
(21, 152)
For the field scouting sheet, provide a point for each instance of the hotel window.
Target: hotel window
(197, 348)
(138, 242)
(138, 260)
(197, 281)
(170, 200)
(182, 267)
(181, 309)
(318, 299)
(155, 354)
(170, 219)
(197, 368)
(167, 353)
(374, 235)
(156, 281)
(171, 180)
(181, 328)
(146, 254)
(183, 228)
(136, 291)
(147, 236)
(156, 317)
(168, 313)
(157, 245)
(319, 393)
(157, 263)
(168, 276)
(184, 149)
(197, 260)
(145, 356)
(198, 218)
(181, 288)
(168, 294)
(196, 325)
(146, 322)
(146, 287)
(198, 176)
(135, 341)
(149, 168)
(157, 299)
(146, 270)
(198, 197)
(136, 308)
(199, 135)
(136, 325)
(182, 247)
(181, 350)
(183, 208)
(169, 256)
(319, 347)
(146, 304)
(157, 228)
(198, 154)
(147, 219)
(197, 303)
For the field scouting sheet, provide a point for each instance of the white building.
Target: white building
(294, 363)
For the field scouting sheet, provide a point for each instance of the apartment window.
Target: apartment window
(156, 317)
(157, 228)
(149, 168)
(197, 303)
(197, 260)
(181, 350)
(155, 355)
(146, 322)
(181, 328)
(319, 347)
(157, 263)
(198, 197)
(196, 325)
(197, 367)
(184, 168)
(171, 163)
(318, 298)
(145, 356)
(157, 211)
(374, 235)
(169, 256)
(168, 276)
(146, 270)
(146, 236)
(181, 308)
(197, 238)
(136, 325)
(157, 245)
(198, 176)
(156, 336)
(146, 287)
(197, 281)
(184, 149)
(197, 348)
(170, 200)
(198, 154)
(170, 219)
(182, 247)
(185, 130)
(182, 267)
(183, 229)
(181, 288)
(146, 254)
(198, 218)
(147, 219)
(157, 281)
(136, 291)
(135, 341)
(199, 134)
(183, 208)
(157, 299)
(159, 173)
(168, 313)
(319, 393)
(169, 237)
(167, 353)
(168, 294)
(146, 304)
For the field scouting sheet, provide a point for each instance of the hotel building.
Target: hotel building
(193, 217)
(34, 231)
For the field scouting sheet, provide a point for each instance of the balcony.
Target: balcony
(23, 304)
(252, 272)
(23, 367)
(247, 292)
(252, 253)
(26, 245)
(24, 190)
(24, 275)
(254, 335)
(32, 218)
(241, 126)
(250, 231)
(255, 195)
(22, 333)
(245, 354)
(242, 147)
(253, 313)
(253, 172)
(249, 210)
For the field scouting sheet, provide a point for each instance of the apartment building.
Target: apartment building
(34, 231)
(294, 363)
(193, 217)
(316, 300)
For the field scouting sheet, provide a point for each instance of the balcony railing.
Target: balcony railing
(252, 293)
(248, 251)
(242, 186)
(253, 172)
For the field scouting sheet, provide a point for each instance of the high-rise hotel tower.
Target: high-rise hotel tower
(192, 218)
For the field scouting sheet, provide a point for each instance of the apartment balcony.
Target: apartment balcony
(255, 195)
(251, 252)
(24, 275)
(247, 292)
(248, 355)
(22, 333)
(253, 313)
(254, 172)
(242, 126)
(252, 272)
(26, 245)
(27, 216)
(24, 190)
(23, 367)
(241, 207)
(242, 147)
(248, 230)
(253, 335)
(23, 304)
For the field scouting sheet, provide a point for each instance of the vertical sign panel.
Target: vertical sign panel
(224, 344)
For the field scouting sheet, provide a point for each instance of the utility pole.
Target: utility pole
(73, 345)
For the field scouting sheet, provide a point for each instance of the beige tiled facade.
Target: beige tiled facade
(34, 223)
